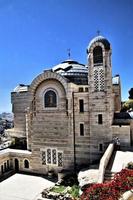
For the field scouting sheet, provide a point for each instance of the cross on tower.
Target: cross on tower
(69, 53)
(98, 32)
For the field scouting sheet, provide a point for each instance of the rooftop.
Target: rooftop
(101, 39)
(72, 70)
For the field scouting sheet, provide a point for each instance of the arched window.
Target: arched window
(26, 164)
(98, 55)
(50, 99)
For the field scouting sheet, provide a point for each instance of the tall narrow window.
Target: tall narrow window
(50, 99)
(81, 129)
(2, 169)
(26, 164)
(81, 105)
(100, 147)
(5, 167)
(97, 55)
(100, 119)
(8, 164)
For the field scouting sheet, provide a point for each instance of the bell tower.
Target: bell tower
(100, 95)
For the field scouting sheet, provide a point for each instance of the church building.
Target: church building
(66, 116)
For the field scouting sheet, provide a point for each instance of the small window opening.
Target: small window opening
(26, 164)
(100, 119)
(86, 89)
(81, 105)
(100, 147)
(82, 129)
(81, 89)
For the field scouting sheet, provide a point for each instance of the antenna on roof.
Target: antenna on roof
(98, 32)
(69, 53)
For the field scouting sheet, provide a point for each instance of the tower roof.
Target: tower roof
(101, 39)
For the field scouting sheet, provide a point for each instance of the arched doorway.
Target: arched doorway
(16, 164)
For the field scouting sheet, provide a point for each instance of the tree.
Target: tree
(130, 93)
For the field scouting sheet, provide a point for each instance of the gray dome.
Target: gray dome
(73, 71)
(101, 39)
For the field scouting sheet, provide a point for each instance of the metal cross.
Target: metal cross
(98, 32)
(69, 53)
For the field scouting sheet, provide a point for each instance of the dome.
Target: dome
(73, 71)
(101, 39)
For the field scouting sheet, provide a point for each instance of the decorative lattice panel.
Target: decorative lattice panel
(60, 159)
(96, 82)
(101, 80)
(43, 158)
(54, 157)
(48, 156)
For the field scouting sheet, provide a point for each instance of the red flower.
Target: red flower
(112, 190)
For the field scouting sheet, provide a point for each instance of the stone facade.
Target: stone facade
(66, 114)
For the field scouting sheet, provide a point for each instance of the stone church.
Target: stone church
(69, 114)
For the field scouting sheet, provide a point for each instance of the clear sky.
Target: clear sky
(35, 35)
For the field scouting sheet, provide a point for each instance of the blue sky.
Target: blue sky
(35, 35)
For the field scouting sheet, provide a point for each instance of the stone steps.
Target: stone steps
(108, 175)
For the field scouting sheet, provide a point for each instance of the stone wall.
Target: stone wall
(117, 97)
(20, 101)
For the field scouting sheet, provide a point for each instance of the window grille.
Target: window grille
(43, 158)
(52, 157)
(49, 156)
(60, 159)
(99, 80)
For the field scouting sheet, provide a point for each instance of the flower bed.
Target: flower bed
(122, 182)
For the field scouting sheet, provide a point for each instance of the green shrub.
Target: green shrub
(130, 165)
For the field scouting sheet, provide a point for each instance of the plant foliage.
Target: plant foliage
(122, 182)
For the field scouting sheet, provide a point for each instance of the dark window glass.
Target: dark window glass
(50, 99)
(26, 164)
(97, 55)
(81, 89)
(5, 167)
(8, 164)
(100, 147)
(2, 169)
(82, 129)
(100, 119)
(81, 105)
(86, 89)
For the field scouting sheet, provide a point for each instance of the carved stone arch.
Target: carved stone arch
(46, 76)
(95, 45)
